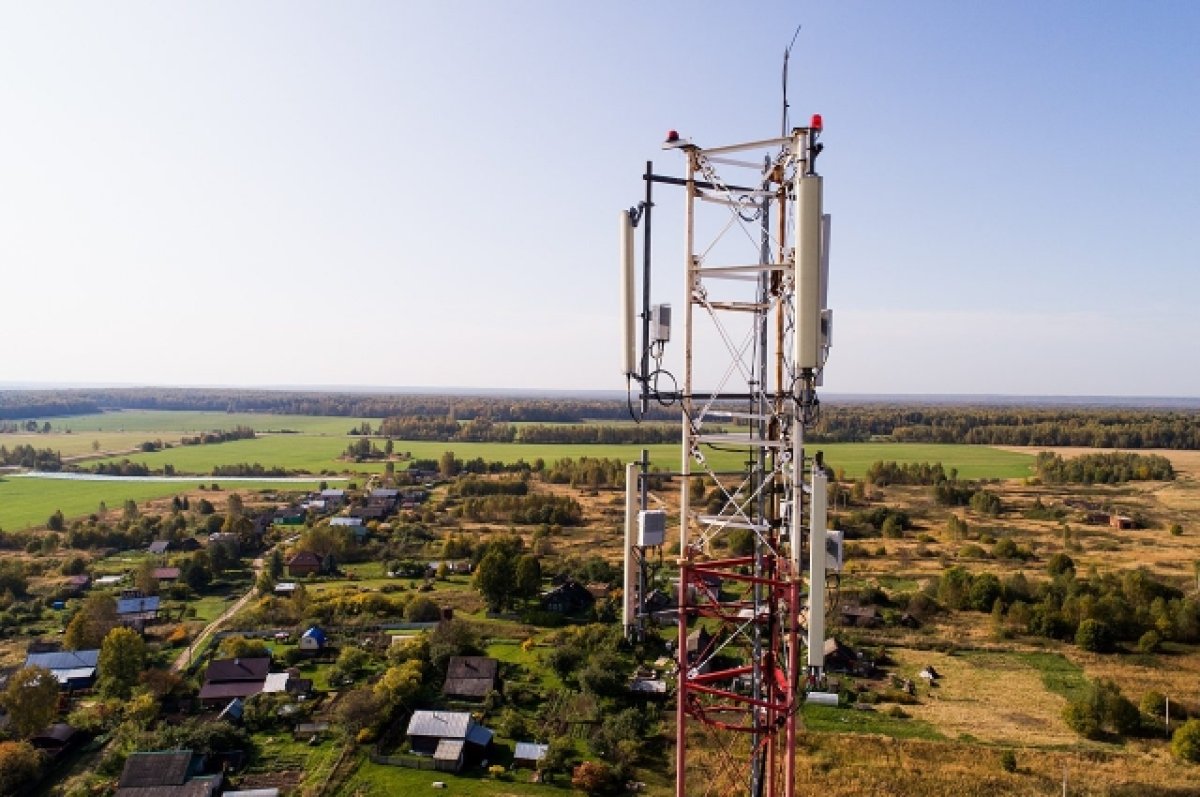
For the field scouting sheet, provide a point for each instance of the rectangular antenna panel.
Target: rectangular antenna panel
(652, 527)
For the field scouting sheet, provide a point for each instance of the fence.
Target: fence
(409, 761)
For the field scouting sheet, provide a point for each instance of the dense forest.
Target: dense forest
(492, 417)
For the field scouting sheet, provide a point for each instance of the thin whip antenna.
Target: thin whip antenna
(786, 55)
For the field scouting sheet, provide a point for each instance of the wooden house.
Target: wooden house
(470, 677)
(304, 563)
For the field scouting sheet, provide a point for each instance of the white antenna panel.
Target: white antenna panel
(808, 272)
(628, 333)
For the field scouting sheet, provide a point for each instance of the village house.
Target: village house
(225, 679)
(529, 754)
(57, 740)
(171, 773)
(313, 640)
(168, 574)
(452, 738)
(76, 585)
(73, 669)
(861, 616)
(470, 677)
(136, 610)
(568, 598)
(304, 563)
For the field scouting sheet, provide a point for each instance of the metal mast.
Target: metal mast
(754, 315)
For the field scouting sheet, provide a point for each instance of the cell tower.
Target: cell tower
(752, 561)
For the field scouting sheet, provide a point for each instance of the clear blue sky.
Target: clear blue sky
(401, 193)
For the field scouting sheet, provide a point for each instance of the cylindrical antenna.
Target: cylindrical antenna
(628, 310)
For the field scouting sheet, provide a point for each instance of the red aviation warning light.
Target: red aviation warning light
(672, 136)
(816, 123)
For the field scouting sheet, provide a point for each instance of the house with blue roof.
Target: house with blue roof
(137, 611)
(313, 640)
(73, 669)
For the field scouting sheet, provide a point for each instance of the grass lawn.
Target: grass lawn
(827, 719)
(1060, 676)
(378, 780)
(26, 502)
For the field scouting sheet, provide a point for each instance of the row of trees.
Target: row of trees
(26, 456)
(219, 436)
(1091, 427)
(20, 404)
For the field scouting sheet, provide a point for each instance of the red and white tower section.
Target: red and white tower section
(755, 333)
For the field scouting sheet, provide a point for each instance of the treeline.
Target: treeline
(500, 409)
(472, 487)
(255, 469)
(123, 468)
(219, 436)
(1108, 468)
(486, 430)
(26, 456)
(44, 404)
(1089, 427)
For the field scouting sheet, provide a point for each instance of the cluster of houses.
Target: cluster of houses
(454, 739)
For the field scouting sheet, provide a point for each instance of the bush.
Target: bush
(593, 778)
(1008, 761)
(1102, 709)
(1154, 704)
(1094, 636)
(1060, 563)
(422, 610)
(1185, 743)
(1149, 642)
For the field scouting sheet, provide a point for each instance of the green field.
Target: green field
(28, 502)
(322, 440)
(317, 454)
(158, 422)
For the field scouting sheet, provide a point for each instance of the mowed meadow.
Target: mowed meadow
(316, 445)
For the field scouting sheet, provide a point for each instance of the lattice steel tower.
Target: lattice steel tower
(756, 332)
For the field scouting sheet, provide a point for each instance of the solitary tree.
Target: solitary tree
(56, 521)
(144, 578)
(400, 685)
(122, 659)
(31, 698)
(494, 580)
(95, 618)
(529, 576)
(275, 564)
(1185, 743)
(19, 765)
